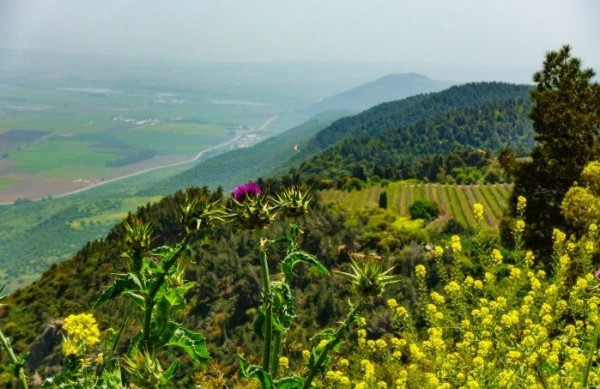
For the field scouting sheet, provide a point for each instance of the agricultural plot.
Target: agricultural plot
(455, 201)
(61, 133)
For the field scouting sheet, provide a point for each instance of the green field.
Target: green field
(455, 201)
(59, 128)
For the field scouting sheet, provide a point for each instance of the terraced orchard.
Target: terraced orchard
(455, 201)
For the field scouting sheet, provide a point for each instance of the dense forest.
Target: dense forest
(450, 136)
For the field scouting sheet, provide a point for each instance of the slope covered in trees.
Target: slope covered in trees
(424, 135)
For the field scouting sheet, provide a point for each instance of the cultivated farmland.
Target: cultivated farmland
(455, 201)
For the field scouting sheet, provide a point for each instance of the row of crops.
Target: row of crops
(455, 201)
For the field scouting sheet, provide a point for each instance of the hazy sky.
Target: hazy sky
(471, 32)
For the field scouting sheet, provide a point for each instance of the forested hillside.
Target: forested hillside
(424, 136)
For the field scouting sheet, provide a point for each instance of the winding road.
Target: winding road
(263, 127)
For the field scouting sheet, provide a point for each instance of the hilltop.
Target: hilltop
(388, 88)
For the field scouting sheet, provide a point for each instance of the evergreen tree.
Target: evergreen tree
(566, 119)
(383, 201)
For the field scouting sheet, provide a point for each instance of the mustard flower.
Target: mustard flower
(381, 344)
(478, 212)
(392, 303)
(455, 244)
(452, 287)
(515, 272)
(558, 236)
(420, 271)
(519, 226)
(497, 256)
(82, 329)
(69, 348)
(529, 258)
(437, 298)
(514, 354)
(284, 362)
(521, 204)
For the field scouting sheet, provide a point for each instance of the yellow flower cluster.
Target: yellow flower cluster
(455, 244)
(337, 377)
(284, 362)
(478, 212)
(497, 256)
(521, 204)
(512, 327)
(82, 333)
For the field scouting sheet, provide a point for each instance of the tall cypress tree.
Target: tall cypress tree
(566, 119)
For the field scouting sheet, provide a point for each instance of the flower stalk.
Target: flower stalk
(14, 361)
(267, 304)
(342, 329)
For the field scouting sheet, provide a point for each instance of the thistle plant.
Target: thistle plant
(17, 362)
(277, 311)
(155, 286)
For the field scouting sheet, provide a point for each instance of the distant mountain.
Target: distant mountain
(388, 88)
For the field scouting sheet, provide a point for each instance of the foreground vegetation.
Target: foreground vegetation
(473, 314)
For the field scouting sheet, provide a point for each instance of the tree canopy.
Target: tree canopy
(566, 120)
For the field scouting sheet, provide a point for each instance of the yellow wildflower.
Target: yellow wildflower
(437, 298)
(497, 256)
(519, 226)
(455, 243)
(69, 348)
(521, 204)
(284, 362)
(452, 287)
(420, 271)
(82, 328)
(529, 258)
(478, 212)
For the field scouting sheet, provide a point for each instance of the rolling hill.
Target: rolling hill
(389, 88)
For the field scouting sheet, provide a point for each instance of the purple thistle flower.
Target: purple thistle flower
(251, 189)
(598, 274)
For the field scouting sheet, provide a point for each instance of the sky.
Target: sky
(492, 33)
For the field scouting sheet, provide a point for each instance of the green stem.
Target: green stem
(331, 344)
(267, 304)
(275, 359)
(14, 361)
(128, 315)
(149, 305)
(591, 351)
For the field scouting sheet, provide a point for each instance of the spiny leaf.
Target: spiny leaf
(255, 372)
(123, 283)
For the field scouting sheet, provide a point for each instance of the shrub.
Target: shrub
(424, 209)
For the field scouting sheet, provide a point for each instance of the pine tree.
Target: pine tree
(566, 119)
